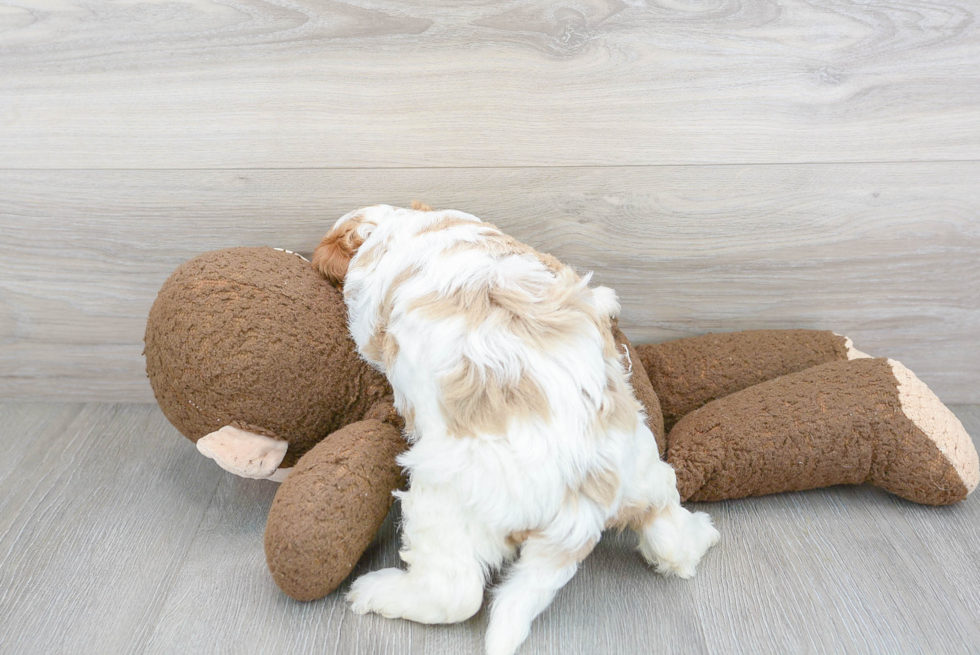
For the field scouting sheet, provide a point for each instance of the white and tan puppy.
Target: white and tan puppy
(526, 438)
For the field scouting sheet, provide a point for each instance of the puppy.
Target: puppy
(526, 438)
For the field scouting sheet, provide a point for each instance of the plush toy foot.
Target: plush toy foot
(245, 454)
(845, 422)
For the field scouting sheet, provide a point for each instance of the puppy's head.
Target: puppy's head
(332, 257)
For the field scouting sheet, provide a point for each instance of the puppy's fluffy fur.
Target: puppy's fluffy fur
(526, 438)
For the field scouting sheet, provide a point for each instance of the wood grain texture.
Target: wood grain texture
(886, 253)
(95, 519)
(369, 83)
(117, 536)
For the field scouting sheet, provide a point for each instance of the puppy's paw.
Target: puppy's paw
(377, 592)
(677, 540)
(397, 594)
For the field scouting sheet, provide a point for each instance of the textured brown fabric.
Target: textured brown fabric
(644, 391)
(254, 338)
(687, 373)
(329, 508)
(837, 423)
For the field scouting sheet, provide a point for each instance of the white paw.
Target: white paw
(680, 539)
(377, 592)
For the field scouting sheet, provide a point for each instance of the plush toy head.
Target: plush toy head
(255, 339)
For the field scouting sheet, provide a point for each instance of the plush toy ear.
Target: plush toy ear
(332, 257)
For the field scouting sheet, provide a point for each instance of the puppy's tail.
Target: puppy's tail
(606, 301)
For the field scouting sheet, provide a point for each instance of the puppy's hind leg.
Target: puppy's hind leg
(672, 539)
(446, 568)
(543, 568)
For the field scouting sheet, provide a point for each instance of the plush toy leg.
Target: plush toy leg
(687, 373)
(640, 381)
(330, 507)
(847, 422)
(243, 453)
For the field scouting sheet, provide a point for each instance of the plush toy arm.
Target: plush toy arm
(640, 382)
(327, 511)
(847, 422)
(687, 373)
(244, 453)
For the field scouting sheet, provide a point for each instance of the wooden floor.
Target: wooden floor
(116, 536)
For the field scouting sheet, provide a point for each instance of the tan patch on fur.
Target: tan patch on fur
(550, 261)
(376, 346)
(418, 205)
(619, 409)
(367, 257)
(544, 313)
(560, 557)
(601, 486)
(332, 257)
(609, 349)
(542, 317)
(445, 224)
(497, 244)
(389, 350)
(409, 416)
(583, 552)
(473, 304)
(476, 401)
(515, 539)
(633, 516)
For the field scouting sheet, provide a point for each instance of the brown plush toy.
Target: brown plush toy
(249, 356)
(760, 412)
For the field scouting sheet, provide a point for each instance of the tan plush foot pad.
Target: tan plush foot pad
(847, 422)
(327, 511)
(687, 373)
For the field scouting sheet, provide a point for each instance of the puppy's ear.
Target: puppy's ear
(420, 206)
(332, 257)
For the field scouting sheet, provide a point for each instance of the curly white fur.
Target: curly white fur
(526, 438)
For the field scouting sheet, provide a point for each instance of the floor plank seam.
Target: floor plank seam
(883, 162)
(150, 625)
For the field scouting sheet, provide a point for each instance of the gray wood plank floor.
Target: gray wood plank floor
(116, 536)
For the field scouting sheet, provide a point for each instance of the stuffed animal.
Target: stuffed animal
(760, 412)
(249, 356)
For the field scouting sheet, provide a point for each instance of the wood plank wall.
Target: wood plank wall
(724, 164)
